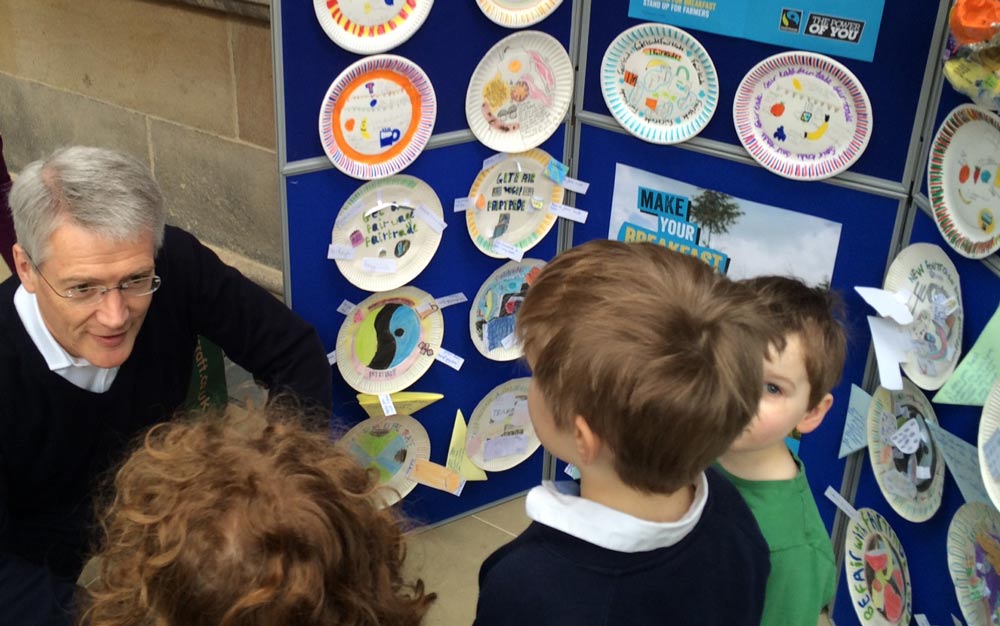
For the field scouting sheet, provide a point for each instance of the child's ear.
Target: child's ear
(588, 444)
(815, 416)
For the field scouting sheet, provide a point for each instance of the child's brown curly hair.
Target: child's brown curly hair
(212, 526)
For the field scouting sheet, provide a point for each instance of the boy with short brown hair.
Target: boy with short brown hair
(797, 383)
(646, 366)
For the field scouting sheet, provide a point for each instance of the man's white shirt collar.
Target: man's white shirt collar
(80, 372)
(607, 527)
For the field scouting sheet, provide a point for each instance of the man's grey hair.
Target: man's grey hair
(107, 192)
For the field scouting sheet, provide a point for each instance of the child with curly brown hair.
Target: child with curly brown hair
(210, 525)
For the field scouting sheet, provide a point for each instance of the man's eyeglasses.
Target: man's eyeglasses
(136, 287)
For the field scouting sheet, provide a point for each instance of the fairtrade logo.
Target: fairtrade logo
(791, 20)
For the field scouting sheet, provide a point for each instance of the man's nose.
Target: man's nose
(113, 311)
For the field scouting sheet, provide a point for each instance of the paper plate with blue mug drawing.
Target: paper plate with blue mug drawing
(387, 232)
(974, 562)
(659, 83)
(963, 180)
(520, 91)
(802, 115)
(390, 446)
(510, 203)
(389, 340)
(928, 275)
(517, 13)
(877, 571)
(368, 26)
(989, 457)
(500, 435)
(494, 310)
(377, 116)
(907, 465)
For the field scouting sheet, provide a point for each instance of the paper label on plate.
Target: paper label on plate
(450, 359)
(991, 451)
(336, 252)
(907, 438)
(426, 308)
(493, 160)
(381, 266)
(462, 204)
(834, 496)
(504, 446)
(346, 307)
(455, 298)
(388, 408)
(436, 223)
(436, 477)
(576, 186)
(570, 213)
(556, 171)
(508, 250)
(331, 356)
(922, 472)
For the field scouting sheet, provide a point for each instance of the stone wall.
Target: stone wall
(187, 89)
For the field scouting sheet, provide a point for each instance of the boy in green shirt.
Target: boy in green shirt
(772, 480)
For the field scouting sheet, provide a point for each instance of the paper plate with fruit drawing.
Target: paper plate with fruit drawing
(974, 562)
(517, 13)
(878, 577)
(802, 115)
(659, 83)
(510, 203)
(963, 180)
(928, 275)
(370, 26)
(520, 92)
(500, 434)
(377, 116)
(387, 232)
(388, 342)
(907, 465)
(494, 311)
(389, 445)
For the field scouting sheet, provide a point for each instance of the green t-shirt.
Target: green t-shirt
(802, 570)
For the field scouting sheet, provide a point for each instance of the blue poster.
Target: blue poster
(847, 28)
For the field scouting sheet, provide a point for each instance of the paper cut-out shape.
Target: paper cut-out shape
(962, 459)
(436, 477)
(888, 303)
(978, 371)
(406, 402)
(855, 435)
(891, 343)
(458, 460)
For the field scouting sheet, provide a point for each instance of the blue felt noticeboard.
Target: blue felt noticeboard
(877, 211)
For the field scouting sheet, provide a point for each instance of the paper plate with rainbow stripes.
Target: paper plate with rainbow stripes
(377, 116)
(802, 115)
(963, 179)
(368, 27)
(659, 83)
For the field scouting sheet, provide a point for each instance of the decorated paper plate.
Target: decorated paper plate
(520, 92)
(510, 201)
(907, 465)
(387, 232)
(659, 83)
(389, 445)
(988, 424)
(518, 13)
(963, 178)
(370, 26)
(377, 116)
(494, 311)
(974, 562)
(389, 340)
(802, 115)
(500, 434)
(878, 575)
(926, 272)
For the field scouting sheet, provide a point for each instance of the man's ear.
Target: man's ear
(588, 444)
(22, 265)
(815, 416)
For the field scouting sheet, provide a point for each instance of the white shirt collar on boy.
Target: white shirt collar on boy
(80, 372)
(605, 527)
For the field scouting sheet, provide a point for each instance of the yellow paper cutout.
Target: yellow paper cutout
(406, 402)
(458, 460)
(436, 477)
